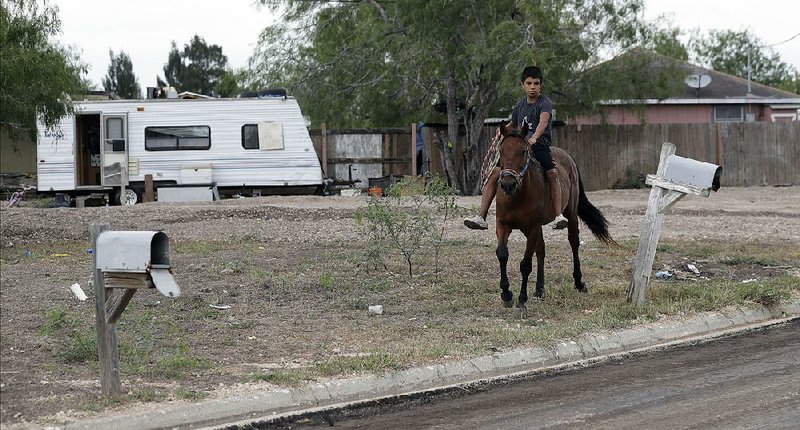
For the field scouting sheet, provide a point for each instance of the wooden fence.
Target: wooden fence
(756, 153)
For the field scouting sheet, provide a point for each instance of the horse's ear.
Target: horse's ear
(503, 129)
(524, 131)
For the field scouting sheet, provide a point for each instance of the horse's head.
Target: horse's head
(514, 154)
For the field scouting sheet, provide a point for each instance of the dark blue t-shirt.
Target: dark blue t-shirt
(529, 113)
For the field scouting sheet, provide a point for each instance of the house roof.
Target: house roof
(722, 87)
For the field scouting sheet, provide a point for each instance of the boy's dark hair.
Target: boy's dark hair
(533, 72)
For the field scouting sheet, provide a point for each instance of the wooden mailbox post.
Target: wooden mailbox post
(124, 261)
(676, 177)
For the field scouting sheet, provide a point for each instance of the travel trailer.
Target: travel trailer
(239, 145)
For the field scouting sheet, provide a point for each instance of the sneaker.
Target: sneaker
(560, 223)
(476, 223)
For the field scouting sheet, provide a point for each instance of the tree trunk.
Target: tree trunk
(477, 110)
(454, 172)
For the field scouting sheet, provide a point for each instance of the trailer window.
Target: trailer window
(250, 136)
(177, 138)
(264, 136)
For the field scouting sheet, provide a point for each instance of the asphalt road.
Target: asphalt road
(748, 381)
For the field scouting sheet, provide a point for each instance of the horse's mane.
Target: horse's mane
(514, 132)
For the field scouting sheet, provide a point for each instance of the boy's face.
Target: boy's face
(532, 87)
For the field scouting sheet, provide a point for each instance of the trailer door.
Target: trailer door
(114, 150)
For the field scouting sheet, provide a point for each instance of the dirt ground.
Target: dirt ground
(273, 286)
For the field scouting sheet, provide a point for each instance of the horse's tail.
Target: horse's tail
(594, 219)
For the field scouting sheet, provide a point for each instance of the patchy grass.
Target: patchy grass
(187, 394)
(306, 304)
(373, 362)
(282, 377)
(69, 339)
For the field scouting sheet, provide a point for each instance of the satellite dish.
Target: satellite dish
(697, 81)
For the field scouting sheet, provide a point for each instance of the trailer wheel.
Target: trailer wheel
(131, 197)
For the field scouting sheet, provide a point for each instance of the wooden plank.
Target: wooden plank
(118, 305)
(127, 280)
(669, 185)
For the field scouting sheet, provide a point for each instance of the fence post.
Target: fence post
(107, 349)
(149, 194)
(324, 130)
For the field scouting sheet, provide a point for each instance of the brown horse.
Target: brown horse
(524, 203)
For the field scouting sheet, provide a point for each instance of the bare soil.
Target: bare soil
(276, 290)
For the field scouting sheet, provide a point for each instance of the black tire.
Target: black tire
(132, 197)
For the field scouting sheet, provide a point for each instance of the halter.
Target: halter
(511, 172)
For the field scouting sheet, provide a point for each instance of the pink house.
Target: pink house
(706, 96)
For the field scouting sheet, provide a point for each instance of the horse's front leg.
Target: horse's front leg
(525, 269)
(502, 256)
(539, 293)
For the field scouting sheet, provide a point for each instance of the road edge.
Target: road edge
(264, 406)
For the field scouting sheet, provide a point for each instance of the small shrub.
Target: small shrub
(631, 180)
(413, 214)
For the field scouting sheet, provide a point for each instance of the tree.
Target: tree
(234, 82)
(727, 51)
(198, 68)
(386, 63)
(665, 41)
(120, 78)
(36, 74)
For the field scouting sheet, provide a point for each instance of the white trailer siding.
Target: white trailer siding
(231, 165)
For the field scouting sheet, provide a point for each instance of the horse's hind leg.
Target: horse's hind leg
(575, 243)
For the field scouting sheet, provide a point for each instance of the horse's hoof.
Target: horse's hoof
(522, 311)
(507, 297)
(582, 288)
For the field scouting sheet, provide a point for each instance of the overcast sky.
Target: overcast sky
(144, 29)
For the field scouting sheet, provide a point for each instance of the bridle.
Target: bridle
(511, 172)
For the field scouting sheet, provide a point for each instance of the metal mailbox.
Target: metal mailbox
(137, 252)
(692, 173)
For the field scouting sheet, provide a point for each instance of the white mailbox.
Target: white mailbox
(698, 174)
(686, 175)
(137, 252)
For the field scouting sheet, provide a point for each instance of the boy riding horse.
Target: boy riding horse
(535, 110)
